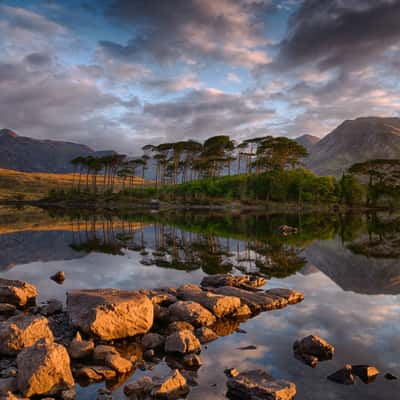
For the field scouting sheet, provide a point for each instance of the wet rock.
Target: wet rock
(101, 352)
(312, 349)
(179, 326)
(367, 373)
(344, 376)
(239, 281)
(225, 327)
(58, 277)
(16, 292)
(231, 372)
(44, 369)
(192, 312)
(23, 331)
(291, 296)
(220, 306)
(256, 301)
(390, 377)
(110, 313)
(80, 348)
(206, 335)
(7, 309)
(173, 386)
(192, 361)
(257, 384)
(152, 341)
(8, 385)
(95, 373)
(51, 307)
(139, 388)
(182, 342)
(118, 363)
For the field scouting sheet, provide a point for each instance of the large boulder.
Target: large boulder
(220, 306)
(192, 312)
(110, 313)
(44, 369)
(182, 342)
(23, 331)
(18, 293)
(257, 384)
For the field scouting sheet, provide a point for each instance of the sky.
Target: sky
(119, 74)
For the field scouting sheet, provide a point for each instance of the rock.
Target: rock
(152, 341)
(292, 296)
(51, 307)
(149, 354)
(139, 388)
(58, 277)
(225, 327)
(18, 293)
(182, 342)
(242, 313)
(7, 309)
(192, 312)
(68, 394)
(179, 326)
(118, 363)
(220, 306)
(367, 373)
(95, 373)
(110, 313)
(257, 384)
(256, 301)
(23, 331)
(251, 347)
(161, 313)
(390, 376)
(44, 369)
(192, 361)
(104, 394)
(11, 396)
(312, 349)
(344, 376)
(240, 281)
(173, 386)
(231, 372)
(205, 335)
(101, 352)
(80, 348)
(8, 385)
(286, 230)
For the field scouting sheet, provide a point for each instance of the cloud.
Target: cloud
(232, 77)
(189, 30)
(183, 82)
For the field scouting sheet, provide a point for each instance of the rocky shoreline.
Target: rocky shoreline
(105, 334)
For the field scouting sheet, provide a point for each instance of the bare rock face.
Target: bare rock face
(257, 384)
(109, 313)
(44, 369)
(173, 386)
(152, 341)
(18, 293)
(292, 296)
(312, 349)
(239, 281)
(220, 306)
(344, 376)
(192, 312)
(23, 331)
(182, 342)
(80, 348)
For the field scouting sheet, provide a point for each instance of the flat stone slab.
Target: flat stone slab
(110, 313)
(257, 385)
(240, 281)
(292, 296)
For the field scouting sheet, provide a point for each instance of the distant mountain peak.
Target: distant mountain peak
(8, 132)
(307, 141)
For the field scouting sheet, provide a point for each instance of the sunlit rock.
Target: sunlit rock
(182, 342)
(192, 312)
(16, 292)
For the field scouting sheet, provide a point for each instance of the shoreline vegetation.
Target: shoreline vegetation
(265, 173)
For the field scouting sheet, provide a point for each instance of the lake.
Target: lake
(347, 266)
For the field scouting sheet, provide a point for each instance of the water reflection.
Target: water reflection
(346, 265)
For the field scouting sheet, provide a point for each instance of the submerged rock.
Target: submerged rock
(16, 292)
(44, 369)
(109, 313)
(173, 386)
(312, 349)
(192, 312)
(182, 342)
(367, 373)
(344, 376)
(80, 348)
(220, 306)
(390, 376)
(257, 384)
(23, 331)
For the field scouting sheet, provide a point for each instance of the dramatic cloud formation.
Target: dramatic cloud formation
(119, 74)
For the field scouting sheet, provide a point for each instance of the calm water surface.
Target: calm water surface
(347, 266)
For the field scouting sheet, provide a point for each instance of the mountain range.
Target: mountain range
(352, 141)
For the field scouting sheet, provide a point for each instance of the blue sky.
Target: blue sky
(123, 73)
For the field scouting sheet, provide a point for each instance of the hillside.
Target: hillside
(308, 141)
(355, 141)
(31, 155)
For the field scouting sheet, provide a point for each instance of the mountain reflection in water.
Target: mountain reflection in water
(346, 265)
